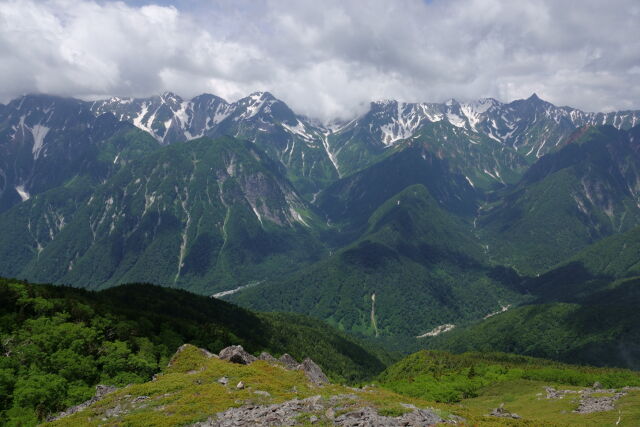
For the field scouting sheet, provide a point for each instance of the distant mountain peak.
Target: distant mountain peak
(262, 95)
(535, 98)
(384, 102)
(169, 95)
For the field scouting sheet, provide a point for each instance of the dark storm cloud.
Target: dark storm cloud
(326, 58)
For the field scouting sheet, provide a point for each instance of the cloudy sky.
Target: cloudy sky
(326, 58)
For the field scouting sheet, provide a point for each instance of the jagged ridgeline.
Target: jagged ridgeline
(58, 342)
(408, 220)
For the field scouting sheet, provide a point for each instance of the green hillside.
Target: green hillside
(423, 265)
(478, 382)
(206, 216)
(566, 200)
(446, 377)
(583, 311)
(614, 256)
(58, 342)
(596, 325)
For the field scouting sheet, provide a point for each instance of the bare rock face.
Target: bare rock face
(101, 392)
(313, 372)
(236, 354)
(288, 361)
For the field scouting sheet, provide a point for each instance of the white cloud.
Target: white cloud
(327, 58)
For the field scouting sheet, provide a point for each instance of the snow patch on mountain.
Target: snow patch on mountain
(222, 112)
(24, 194)
(456, 120)
(475, 111)
(138, 120)
(256, 102)
(39, 132)
(299, 129)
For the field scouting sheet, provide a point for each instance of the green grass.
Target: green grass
(412, 254)
(446, 377)
(187, 391)
(575, 320)
(58, 342)
(476, 383)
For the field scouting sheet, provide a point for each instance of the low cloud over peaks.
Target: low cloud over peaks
(326, 59)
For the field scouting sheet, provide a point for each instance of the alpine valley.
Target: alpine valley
(460, 226)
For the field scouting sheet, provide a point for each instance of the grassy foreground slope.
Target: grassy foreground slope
(188, 391)
(56, 343)
(481, 381)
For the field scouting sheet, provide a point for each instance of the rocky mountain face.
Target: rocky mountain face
(209, 211)
(515, 134)
(587, 190)
(46, 141)
(488, 141)
(221, 198)
(261, 118)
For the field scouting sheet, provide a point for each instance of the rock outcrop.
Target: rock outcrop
(593, 399)
(314, 410)
(590, 404)
(503, 413)
(236, 354)
(267, 357)
(288, 361)
(313, 372)
(368, 416)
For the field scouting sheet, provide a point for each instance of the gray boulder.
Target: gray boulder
(236, 354)
(267, 357)
(288, 361)
(503, 413)
(313, 372)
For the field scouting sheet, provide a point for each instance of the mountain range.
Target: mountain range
(396, 225)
